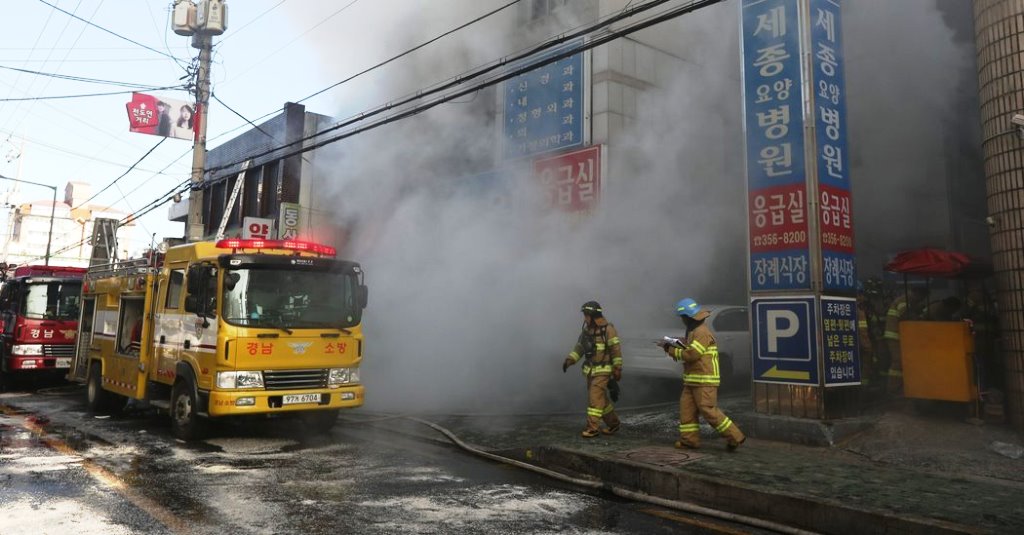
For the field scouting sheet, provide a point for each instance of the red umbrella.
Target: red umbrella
(937, 263)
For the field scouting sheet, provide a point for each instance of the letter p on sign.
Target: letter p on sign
(781, 324)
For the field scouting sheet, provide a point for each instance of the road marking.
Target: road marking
(158, 512)
(694, 522)
(775, 373)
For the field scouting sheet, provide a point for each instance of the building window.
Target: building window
(251, 192)
(542, 8)
(269, 198)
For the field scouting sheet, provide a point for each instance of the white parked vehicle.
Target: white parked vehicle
(729, 323)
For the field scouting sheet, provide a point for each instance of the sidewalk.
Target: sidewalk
(905, 474)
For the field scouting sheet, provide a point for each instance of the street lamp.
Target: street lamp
(53, 209)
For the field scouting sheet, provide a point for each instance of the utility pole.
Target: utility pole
(53, 211)
(195, 229)
(202, 21)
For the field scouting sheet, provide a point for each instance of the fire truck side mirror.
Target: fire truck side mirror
(362, 294)
(192, 304)
(196, 279)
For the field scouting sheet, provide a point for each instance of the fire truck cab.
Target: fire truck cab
(216, 329)
(39, 307)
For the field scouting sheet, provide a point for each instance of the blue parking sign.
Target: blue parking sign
(785, 332)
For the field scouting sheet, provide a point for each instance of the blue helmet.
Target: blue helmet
(687, 307)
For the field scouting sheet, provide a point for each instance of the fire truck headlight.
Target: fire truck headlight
(27, 349)
(343, 376)
(239, 380)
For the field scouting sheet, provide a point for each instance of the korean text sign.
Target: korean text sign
(832, 157)
(290, 222)
(776, 173)
(839, 338)
(785, 340)
(544, 109)
(571, 181)
(148, 114)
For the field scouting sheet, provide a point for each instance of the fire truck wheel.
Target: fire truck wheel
(97, 399)
(185, 423)
(320, 421)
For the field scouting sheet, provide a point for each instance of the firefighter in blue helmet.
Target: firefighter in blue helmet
(699, 355)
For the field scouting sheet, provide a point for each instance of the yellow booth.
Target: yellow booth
(938, 356)
(938, 360)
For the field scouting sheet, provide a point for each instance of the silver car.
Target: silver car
(729, 323)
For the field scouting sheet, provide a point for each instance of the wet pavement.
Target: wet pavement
(934, 470)
(910, 472)
(66, 471)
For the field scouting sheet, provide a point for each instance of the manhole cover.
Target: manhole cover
(662, 456)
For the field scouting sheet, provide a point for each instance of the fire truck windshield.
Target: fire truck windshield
(287, 298)
(52, 300)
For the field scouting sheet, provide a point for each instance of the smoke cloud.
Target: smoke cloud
(476, 285)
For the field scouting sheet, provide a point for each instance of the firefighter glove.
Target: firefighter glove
(565, 365)
(613, 390)
(617, 374)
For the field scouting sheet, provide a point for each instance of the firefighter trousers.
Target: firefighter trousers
(599, 407)
(894, 377)
(703, 401)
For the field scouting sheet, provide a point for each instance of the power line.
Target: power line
(290, 43)
(523, 68)
(32, 83)
(254, 125)
(86, 95)
(89, 60)
(414, 49)
(105, 188)
(76, 78)
(247, 24)
(180, 188)
(115, 34)
(521, 59)
(160, 201)
(383, 63)
(45, 145)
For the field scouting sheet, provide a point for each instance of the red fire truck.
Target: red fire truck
(39, 308)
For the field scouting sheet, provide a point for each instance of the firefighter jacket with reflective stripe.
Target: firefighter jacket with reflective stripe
(699, 357)
(897, 312)
(607, 349)
(863, 329)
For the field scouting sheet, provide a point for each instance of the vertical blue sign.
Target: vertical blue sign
(544, 107)
(831, 154)
(785, 340)
(773, 123)
(839, 337)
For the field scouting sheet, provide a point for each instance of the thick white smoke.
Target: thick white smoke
(476, 286)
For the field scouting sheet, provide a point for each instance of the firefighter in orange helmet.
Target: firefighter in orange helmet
(599, 347)
(699, 354)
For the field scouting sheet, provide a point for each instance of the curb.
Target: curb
(822, 515)
(801, 431)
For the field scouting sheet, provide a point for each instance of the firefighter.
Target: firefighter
(867, 347)
(699, 354)
(599, 347)
(944, 310)
(903, 308)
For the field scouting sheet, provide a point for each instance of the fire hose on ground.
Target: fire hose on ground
(595, 484)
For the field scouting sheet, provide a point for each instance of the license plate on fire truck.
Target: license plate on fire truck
(63, 363)
(292, 399)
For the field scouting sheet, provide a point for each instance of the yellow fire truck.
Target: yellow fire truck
(233, 327)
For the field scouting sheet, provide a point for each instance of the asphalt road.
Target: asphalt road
(64, 470)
